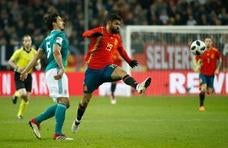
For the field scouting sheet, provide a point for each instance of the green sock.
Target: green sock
(50, 112)
(59, 117)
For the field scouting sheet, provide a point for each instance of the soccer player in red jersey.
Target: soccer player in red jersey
(210, 63)
(103, 40)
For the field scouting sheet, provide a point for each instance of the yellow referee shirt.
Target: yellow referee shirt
(21, 57)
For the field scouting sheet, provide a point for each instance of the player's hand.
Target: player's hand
(23, 75)
(133, 63)
(97, 34)
(20, 70)
(59, 74)
(216, 71)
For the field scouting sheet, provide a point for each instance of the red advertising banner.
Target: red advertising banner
(181, 82)
(163, 83)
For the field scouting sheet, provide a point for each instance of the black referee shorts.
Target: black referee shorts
(27, 83)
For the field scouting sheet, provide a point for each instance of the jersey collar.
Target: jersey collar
(26, 50)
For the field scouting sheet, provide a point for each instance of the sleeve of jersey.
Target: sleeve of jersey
(218, 54)
(15, 55)
(34, 51)
(123, 53)
(59, 39)
(89, 33)
(42, 45)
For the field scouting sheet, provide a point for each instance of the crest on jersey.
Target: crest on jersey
(212, 56)
(59, 40)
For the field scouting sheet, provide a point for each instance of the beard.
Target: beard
(115, 30)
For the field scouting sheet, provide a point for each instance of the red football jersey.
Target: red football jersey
(100, 51)
(116, 58)
(209, 61)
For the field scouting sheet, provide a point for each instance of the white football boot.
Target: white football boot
(75, 125)
(141, 87)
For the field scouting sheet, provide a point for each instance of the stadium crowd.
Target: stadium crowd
(19, 17)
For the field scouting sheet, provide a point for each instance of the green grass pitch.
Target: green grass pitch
(135, 122)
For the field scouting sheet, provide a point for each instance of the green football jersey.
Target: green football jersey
(55, 37)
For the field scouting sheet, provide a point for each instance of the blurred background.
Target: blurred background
(19, 17)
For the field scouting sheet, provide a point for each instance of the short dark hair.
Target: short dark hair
(26, 35)
(210, 37)
(50, 17)
(113, 15)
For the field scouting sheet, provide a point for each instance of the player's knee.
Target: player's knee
(85, 89)
(119, 72)
(64, 101)
(67, 105)
(24, 96)
(22, 92)
(202, 93)
(123, 74)
(203, 89)
(84, 104)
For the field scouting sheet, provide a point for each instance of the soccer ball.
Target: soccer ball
(197, 47)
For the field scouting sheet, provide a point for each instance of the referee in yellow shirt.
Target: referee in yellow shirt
(18, 61)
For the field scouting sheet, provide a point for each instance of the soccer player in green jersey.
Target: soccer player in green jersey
(55, 46)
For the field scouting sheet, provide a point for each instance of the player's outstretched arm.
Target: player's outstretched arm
(31, 64)
(96, 32)
(123, 53)
(218, 65)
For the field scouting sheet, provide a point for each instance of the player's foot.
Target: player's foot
(61, 137)
(201, 108)
(75, 125)
(113, 101)
(35, 128)
(20, 117)
(14, 99)
(141, 87)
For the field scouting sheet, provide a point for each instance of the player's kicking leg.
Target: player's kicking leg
(119, 73)
(110, 73)
(141, 87)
